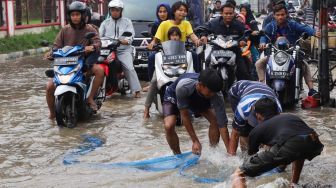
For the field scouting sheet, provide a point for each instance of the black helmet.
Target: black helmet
(78, 7)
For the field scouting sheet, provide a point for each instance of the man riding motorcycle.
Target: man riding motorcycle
(114, 27)
(227, 25)
(71, 35)
(290, 29)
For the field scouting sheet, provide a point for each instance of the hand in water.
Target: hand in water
(197, 148)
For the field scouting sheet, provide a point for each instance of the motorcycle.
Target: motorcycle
(72, 85)
(219, 55)
(116, 80)
(283, 69)
(171, 61)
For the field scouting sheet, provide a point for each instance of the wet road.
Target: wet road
(32, 146)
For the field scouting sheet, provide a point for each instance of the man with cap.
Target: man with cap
(200, 94)
(243, 95)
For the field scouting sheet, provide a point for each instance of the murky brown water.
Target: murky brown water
(32, 146)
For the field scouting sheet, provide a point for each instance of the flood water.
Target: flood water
(32, 147)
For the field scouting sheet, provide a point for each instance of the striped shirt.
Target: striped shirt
(246, 93)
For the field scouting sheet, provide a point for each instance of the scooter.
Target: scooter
(219, 55)
(171, 61)
(72, 86)
(116, 80)
(283, 70)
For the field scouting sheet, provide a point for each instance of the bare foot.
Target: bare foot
(137, 94)
(145, 89)
(146, 113)
(92, 104)
(52, 116)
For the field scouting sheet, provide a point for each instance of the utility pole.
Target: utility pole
(324, 55)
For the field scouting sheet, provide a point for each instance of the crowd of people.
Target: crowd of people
(259, 121)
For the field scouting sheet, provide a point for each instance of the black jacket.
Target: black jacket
(217, 27)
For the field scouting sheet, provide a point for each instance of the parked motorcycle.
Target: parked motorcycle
(283, 70)
(116, 80)
(72, 85)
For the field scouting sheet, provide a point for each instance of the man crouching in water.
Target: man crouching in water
(289, 138)
(198, 93)
(71, 35)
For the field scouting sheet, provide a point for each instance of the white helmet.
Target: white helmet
(116, 4)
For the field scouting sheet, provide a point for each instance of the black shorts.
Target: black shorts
(169, 109)
(296, 148)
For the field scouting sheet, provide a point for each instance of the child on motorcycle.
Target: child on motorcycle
(174, 33)
(71, 35)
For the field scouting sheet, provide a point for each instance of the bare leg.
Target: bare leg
(97, 82)
(213, 129)
(146, 113)
(261, 68)
(307, 76)
(171, 136)
(243, 143)
(238, 179)
(50, 90)
(296, 170)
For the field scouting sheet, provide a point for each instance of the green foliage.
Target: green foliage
(27, 41)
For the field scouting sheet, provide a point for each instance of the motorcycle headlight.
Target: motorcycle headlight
(281, 58)
(64, 79)
(184, 66)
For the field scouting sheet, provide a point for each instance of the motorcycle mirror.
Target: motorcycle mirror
(127, 34)
(49, 73)
(90, 35)
(145, 34)
(304, 35)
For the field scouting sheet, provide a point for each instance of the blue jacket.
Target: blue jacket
(292, 31)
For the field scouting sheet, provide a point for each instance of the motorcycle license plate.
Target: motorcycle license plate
(174, 59)
(61, 61)
(279, 75)
(104, 52)
(222, 53)
(142, 55)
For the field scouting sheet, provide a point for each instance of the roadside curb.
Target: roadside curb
(15, 55)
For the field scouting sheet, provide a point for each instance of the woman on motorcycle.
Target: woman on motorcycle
(179, 12)
(162, 14)
(174, 33)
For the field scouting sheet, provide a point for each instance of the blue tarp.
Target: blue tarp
(181, 162)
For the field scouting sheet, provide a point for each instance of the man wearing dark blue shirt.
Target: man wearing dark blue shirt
(227, 25)
(292, 30)
(288, 137)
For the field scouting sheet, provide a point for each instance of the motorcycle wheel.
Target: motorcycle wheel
(66, 112)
